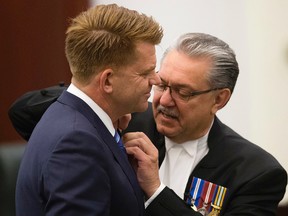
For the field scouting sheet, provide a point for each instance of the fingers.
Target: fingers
(139, 141)
(144, 159)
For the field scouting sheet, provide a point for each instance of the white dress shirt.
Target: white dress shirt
(178, 164)
(180, 160)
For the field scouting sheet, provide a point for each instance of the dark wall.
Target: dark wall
(32, 35)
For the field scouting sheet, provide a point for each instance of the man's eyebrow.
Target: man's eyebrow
(176, 85)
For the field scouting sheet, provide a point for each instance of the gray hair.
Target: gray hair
(225, 68)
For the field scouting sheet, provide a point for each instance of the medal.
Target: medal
(206, 196)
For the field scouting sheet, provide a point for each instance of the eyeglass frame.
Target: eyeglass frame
(162, 87)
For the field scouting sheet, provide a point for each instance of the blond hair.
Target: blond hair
(106, 35)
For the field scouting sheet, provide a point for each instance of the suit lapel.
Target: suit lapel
(124, 163)
(213, 158)
(107, 138)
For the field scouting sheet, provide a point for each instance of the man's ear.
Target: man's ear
(221, 99)
(106, 81)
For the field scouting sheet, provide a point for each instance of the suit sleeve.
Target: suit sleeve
(259, 196)
(169, 204)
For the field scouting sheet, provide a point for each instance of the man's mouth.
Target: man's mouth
(167, 116)
(167, 113)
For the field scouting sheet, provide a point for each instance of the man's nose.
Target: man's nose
(166, 98)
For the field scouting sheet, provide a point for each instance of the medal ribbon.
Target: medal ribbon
(204, 194)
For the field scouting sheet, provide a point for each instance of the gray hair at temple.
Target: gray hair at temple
(225, 68)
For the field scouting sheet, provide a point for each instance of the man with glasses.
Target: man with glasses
(205, 167)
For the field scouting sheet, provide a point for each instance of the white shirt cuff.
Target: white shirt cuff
(157, 192)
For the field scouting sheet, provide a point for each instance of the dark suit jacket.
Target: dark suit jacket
(73, 166)
(255, 180)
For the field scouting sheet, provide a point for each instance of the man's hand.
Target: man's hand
(143, 156)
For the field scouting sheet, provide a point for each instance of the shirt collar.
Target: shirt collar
(191, 146)
(97, 109)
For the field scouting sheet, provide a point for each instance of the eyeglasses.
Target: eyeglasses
(180, 93)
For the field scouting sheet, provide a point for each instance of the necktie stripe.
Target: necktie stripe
(119, 142)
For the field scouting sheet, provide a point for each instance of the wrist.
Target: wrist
(152, 189)
(156, 193)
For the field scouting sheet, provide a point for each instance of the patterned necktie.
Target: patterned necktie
(119, 142)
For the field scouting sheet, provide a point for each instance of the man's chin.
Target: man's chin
(164, 129)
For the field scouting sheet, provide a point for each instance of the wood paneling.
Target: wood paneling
(32, 53)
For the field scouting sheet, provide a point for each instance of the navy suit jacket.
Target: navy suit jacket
(256, 182)
(73, 166)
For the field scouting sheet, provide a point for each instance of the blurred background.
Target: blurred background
(32, 57)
